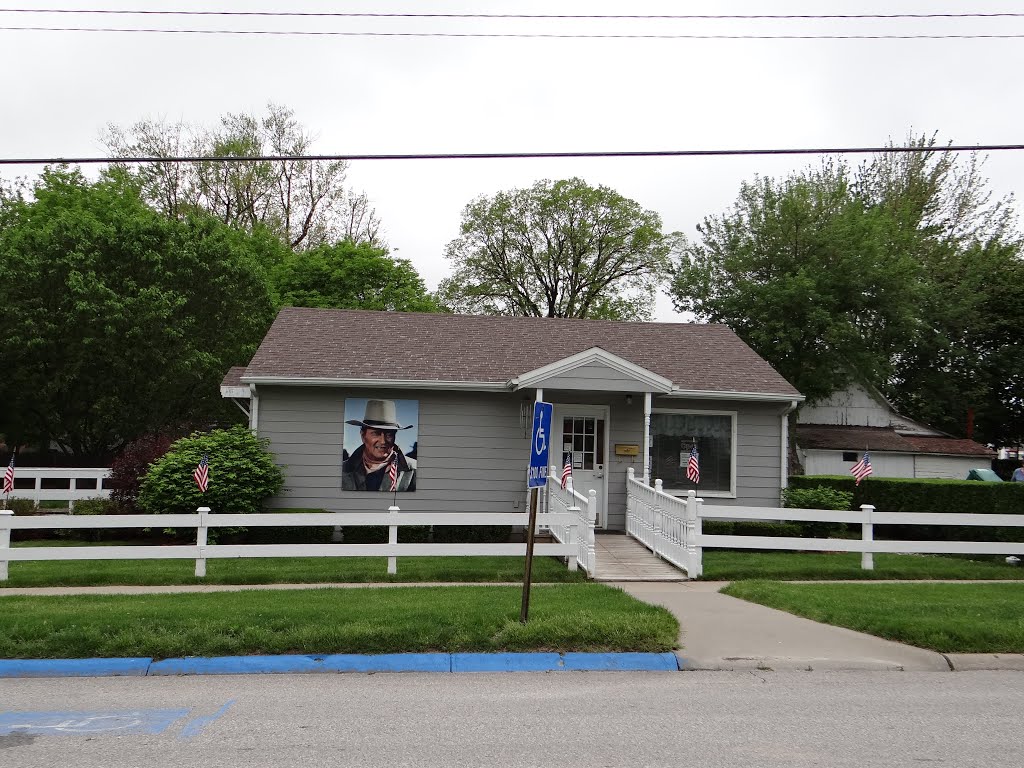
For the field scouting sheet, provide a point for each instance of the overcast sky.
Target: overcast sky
(363, 95)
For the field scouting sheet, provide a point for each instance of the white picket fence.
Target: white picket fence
(75, 484)
(203, 520)
(581, 509)
(671, 527)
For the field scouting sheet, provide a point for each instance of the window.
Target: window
(673, 434)
(850, 456)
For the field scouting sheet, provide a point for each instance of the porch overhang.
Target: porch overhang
(621, 374)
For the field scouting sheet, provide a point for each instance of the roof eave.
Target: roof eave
(767, 397)
(306, 381)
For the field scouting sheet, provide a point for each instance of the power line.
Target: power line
(327, 33)
(687, 16)
(511, 155)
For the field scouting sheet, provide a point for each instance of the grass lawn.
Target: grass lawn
(564, 617)
(726, 565)
(950, 618)
(278, 570)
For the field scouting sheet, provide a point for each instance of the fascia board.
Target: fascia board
(239, 392)
(302, 381)
(768, 397)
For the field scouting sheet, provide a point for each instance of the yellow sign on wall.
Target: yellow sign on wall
(622, 449)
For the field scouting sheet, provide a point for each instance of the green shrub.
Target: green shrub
(378, 534)
(749, 528)
(928, 495)
(95, 506)
(818, 497)
(23, 506)
(472, 534)
(242, 474)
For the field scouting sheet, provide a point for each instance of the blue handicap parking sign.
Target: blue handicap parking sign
(539, 445)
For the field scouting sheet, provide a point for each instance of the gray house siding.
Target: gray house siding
(472, 448)
(594, 378)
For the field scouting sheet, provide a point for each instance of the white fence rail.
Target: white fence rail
(656, 519)
(582, 510)
(203, 520)
(74, 484)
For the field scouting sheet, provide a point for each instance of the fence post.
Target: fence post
(656, 521)
(867, 535)
(201, 542)
(393, 539)
(572, 536)
(591, 527)
(691, 529)
(5, 538)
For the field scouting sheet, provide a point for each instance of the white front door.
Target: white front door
(581, 432)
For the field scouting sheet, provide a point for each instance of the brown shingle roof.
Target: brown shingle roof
(233, 378)
(355, 344)
(844, 438)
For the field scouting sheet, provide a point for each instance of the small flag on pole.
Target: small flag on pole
(862, 468)
(202, 474)
(693, 465)
(567, 469)
(393, 471)
(9, 476)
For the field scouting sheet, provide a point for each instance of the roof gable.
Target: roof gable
(618, 369)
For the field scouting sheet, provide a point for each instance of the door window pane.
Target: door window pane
(673, 435)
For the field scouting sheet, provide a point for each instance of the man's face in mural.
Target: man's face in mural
(377, 443)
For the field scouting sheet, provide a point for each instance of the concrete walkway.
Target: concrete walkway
(719, 632)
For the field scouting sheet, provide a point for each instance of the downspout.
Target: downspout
(784, 451)
(647, 438)
(254, 410)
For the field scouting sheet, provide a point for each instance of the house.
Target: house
(831, 436)
(455, 394)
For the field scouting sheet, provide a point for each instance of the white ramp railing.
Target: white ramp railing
(658, 520)
(582, 510)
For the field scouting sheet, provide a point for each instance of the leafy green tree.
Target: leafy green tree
(351, 275)
(118, 320)
(557, 249)
(305, 203)
(802, 271)
(242, 474)
(902, 272)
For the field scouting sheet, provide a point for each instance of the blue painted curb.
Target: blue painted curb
(297, 664)
(74, 667)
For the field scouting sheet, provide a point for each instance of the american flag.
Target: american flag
(393, 471)
(567, 469)
(9, 476)
(861, 469)
(202, 474)
(693, 466)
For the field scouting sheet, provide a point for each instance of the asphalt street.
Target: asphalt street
(709, 719)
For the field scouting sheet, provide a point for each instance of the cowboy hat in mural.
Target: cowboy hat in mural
(372, 459)
(379, 414)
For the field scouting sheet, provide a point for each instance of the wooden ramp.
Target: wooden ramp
(622, 558)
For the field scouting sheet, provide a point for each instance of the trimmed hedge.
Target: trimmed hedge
(920, 495)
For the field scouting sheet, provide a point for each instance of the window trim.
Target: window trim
(734, 419)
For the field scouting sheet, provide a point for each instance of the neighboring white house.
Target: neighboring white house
(832, 435)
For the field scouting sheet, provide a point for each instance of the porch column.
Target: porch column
(647, 438)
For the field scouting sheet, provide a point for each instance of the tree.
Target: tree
(118, 320)
(351, 276)
(802, 271)
(304, 202)
(557, 249)
(903, 273)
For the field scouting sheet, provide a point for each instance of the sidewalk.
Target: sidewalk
(719, 632)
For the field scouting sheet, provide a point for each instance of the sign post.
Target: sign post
(536, 478)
